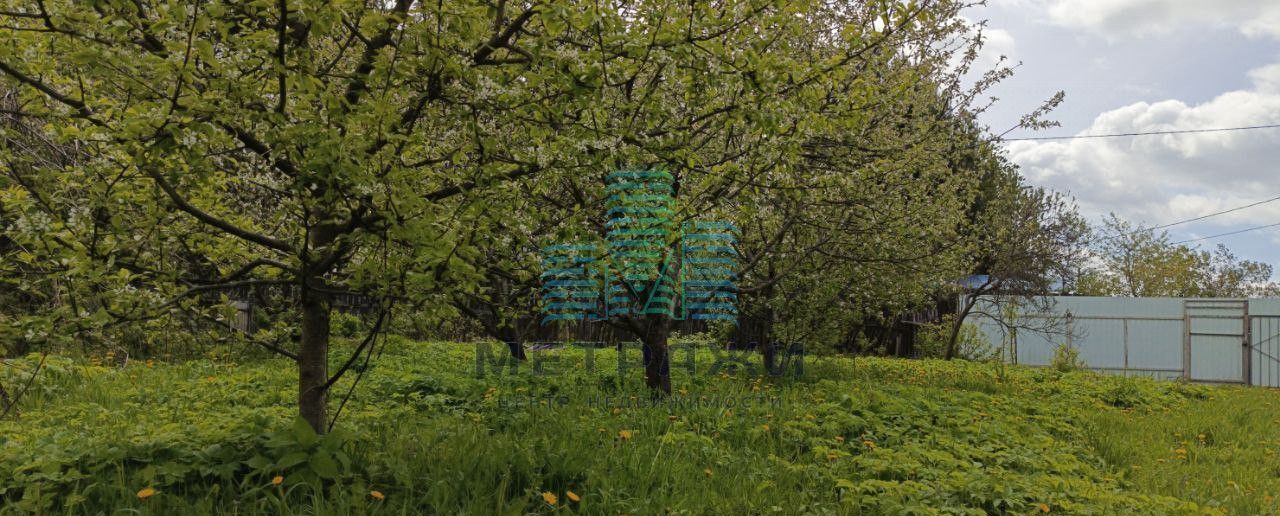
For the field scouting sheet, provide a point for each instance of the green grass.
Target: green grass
(1221, 451)
(849, 436)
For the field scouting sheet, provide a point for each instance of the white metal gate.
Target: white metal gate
(1216, 340)
(1264, 350)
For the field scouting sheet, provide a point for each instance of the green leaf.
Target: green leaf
(291, 460)
(322, 463)
(303, 432)
(258, 462)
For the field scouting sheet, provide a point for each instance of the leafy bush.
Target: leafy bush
(971, 344)
(703, 339)
(346, 325)
(1066, 359)
(1124, 394)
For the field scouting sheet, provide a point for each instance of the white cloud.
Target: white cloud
(1160, 179)
(1267, 78)
(1253, 18)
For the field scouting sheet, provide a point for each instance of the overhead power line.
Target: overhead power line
(1245, 230)
(1146, 133)
(1179, 131)
(1214, 214)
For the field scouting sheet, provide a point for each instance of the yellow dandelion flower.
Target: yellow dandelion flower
(572, 496)
(869, 444)
(765, 427)
(277, 481)
(839, 438)
(549, 497)
(146, 492)
(377, 495)
(625, 435)
(707, 472)
(1043, 507)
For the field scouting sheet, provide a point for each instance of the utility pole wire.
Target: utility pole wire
(1147, 133)
(1237, 232)
(1214, 214)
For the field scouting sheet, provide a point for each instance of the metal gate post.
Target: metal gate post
(1186, 342)
(1125, 343)
(1245, 346)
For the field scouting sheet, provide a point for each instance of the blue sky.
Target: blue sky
(1149, 65)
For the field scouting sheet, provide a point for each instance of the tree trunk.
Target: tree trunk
(511, 338)
(954, 335)
(657, 361)
(313, 360)
(767, 347)
(962, 312)
(315, 305)
(909, 334)
(5, 402)
(769, 354)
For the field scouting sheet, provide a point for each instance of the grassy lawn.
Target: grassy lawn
(1219, 451)
(424, 434)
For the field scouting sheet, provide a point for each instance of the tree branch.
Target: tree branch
(368, 339)
(82, 110)
(280, 37)
(502, 39)
(265, 345)
(208, 219)
(260, 262)
(219, 286)
(450, 191)
(252, 143)
(361, 75)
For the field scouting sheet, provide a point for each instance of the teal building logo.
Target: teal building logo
(649, 263)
